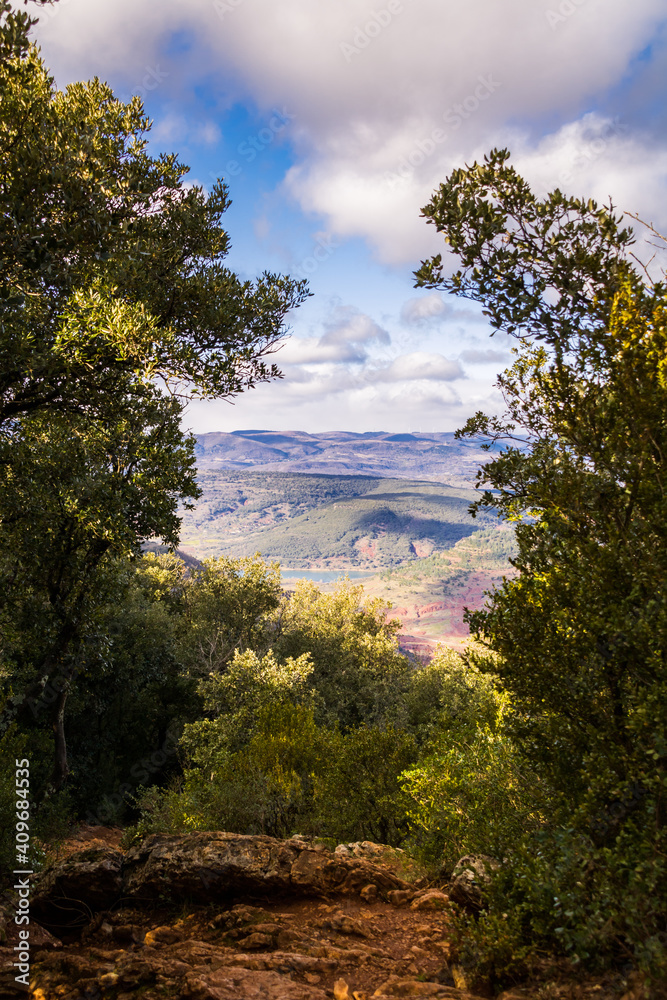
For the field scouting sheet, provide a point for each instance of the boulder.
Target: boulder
(430, 899)
(200, 867)
(470, 877)
(400, 897)
(65, 894)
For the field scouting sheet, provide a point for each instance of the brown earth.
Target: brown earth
(310, 924)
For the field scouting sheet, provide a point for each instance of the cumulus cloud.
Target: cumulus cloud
(381, 110)
(423, 310)
(427, 86)
(345, 332)
(349, 325)
(419, 365)
(315, 351)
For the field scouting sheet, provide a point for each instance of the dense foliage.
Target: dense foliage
(580, 635)
(115, 305)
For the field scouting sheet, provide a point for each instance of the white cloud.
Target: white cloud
(349, 325)
(433, 85)
(419, 365)
(416, 311)
(344, 334)
(313, 350)
(371, 136)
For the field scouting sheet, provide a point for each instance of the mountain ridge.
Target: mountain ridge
(434, 457)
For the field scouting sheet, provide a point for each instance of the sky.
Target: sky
(333, 121)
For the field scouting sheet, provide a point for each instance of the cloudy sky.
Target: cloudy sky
(332, 121)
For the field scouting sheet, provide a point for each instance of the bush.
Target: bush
(47, 824)
(263, 788)
(291, 776)
(468, 794)
(357, 791)
(450, 693)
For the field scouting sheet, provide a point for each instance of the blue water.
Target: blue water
(321, 575)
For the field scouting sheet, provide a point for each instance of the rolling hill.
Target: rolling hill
(433, 456)
(322, 521)
(394, 507)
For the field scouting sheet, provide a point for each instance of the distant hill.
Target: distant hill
(346, 522)
(429, 456)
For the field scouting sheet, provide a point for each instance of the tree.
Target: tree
(115, 305)
(358, 673)
(75, 498)
(109, 263)
(581, 633)
(228, 608)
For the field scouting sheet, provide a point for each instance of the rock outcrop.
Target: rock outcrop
(304, 950)
(470, 879)
(199, 868)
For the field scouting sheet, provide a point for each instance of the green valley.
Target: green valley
(337, 522)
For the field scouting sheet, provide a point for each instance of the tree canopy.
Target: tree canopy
(580, 635)
(111, 264)
(115, 307)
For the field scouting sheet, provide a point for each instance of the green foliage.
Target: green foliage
(451, 694)
(580, 636)
(469, 793)
(491, 950)
(112, 288)
(47, 824)
(283, 751)
(357, 795)
(229, 602)
(358, 673)
(109, 266)
(249, 688)
(128, 708)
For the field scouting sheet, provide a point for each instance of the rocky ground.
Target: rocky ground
(226, 917)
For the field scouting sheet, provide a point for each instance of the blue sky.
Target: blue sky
(333, 120)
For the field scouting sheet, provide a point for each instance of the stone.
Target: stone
(432, 899)
(369, 893)
(470, 876)
(162, 935)
(109, 980)
(255, 941)
(399, 897)
(65, 894)
(249, 984)
(127, 934)
(202, 867)
(397, 987)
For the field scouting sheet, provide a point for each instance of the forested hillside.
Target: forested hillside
(326, 521)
